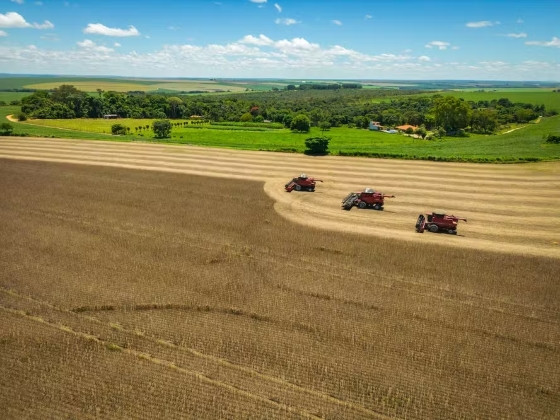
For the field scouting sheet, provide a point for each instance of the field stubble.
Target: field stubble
(113, 276)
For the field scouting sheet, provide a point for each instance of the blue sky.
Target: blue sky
(375, 39)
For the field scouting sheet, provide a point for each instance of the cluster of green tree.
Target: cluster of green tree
(323, 108)
(324, 86)
(68, 102)
(161, 129)
(18, 90)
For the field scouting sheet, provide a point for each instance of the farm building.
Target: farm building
(406, 127)
(375, 126)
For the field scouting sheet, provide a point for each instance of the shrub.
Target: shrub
(6, 129)
(301, 123)
(421, 132)
(317, 145)
(246, 117)
(551, 138)
(162, 129)
(118, 129)
(461, 133)
(22, 116)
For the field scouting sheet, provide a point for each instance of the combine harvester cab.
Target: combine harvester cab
(302, 183)
(438, 222)
(365, 199)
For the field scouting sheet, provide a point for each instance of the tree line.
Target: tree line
(324, 107)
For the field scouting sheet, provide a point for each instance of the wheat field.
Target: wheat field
(155, 281)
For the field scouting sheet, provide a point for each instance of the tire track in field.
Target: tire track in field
(510, 208)
(323, 268)
(146, 348)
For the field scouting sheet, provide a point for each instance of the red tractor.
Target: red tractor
(438, 222)
(302, 183)
(366, 198)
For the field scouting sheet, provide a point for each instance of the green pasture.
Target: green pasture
(32, 130)
(7, 97)
(524, 143)
(546, 97)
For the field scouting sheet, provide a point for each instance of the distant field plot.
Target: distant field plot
(197, 86)
(13, 96)
(88, 85)
(551, 100)
(92, 86)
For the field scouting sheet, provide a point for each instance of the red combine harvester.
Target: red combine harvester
(366, 198)
(438, 222)
(302, 183)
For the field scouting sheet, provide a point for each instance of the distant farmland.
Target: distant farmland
(143, 85)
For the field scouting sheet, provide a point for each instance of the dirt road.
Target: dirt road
(510, 208)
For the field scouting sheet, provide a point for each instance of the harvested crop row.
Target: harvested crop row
(495, 198)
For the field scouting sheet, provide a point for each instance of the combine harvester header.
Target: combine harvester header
(438, 222)
(302, 183)
(366, 198)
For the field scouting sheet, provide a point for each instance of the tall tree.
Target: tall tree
(174, 104)
(451, 113)
(162, 129)
(484, 120)
(301, 123)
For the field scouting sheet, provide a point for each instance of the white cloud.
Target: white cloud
(17, 1)
(481, 24)
(50, 37)
(260, 56)
(15, 20)
(286, 21)
(336, 22)
(117, 45)
(440, 45)
(88, 44)
(278, 7)
(45, 25)
(3, 33)
(519, 35)
(295, 46)
(261, 40)
(555, 42)
(258, 1)
(366, 17)
(100, 29)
